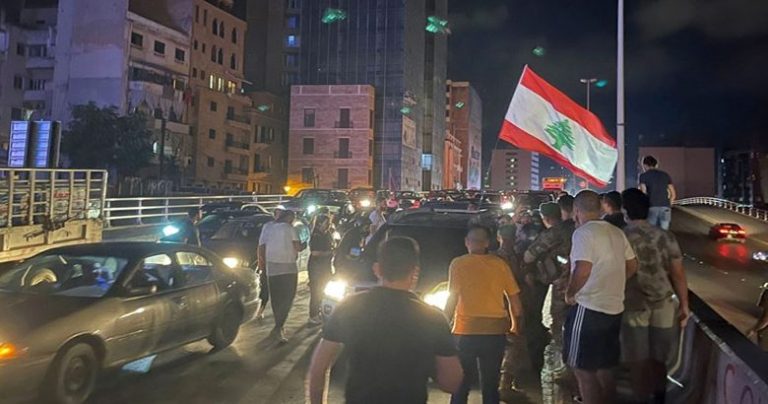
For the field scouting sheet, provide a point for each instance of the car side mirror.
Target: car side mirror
(143, 290)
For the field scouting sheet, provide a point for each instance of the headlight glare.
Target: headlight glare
(366, 203)
(507, 206)
(437, 299)
(336, 236)
(311, 209)
(170, 230)
(336, 290)
(231, 262)
(8, 351)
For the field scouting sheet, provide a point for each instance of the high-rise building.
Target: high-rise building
(383, 43)
(464, 119)
(514, 169)
(331, 136)
(270, 143)
(452, 153)
(221, 113)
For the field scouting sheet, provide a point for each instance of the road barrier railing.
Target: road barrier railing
(747, 210)
(139, 211)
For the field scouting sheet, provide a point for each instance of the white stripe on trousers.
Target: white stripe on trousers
(573, 352)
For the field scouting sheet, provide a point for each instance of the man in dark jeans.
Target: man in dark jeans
(395, 341)
(482, 291)
(279, 246)
(657, 184)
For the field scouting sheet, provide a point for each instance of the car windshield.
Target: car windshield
(64, 275)
(238, 230)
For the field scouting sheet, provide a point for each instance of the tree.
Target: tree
(100, 138)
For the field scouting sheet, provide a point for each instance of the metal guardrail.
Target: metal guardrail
(743, 209)
(139, 211)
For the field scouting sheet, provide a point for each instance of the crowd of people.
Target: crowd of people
(575, 289)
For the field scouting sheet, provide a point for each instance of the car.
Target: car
(71, 313)
(238, 240)
(363, 198)
(728, 232)
(530, 200)
(255, 208)
(440, 235)
(408, 199)
(211, 223)
(215, 206)
(309, 199)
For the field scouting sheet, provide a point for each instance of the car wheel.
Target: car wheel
(73, 374)
(226, 328)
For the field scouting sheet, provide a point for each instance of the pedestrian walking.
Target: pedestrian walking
(377, 219)
(652, 319)
(601, 261)
(262, 266)
(484, 304)
(611, 203)
(395, 342)
(319, 266)
(279, 246)
(761, 327)
(657, 184)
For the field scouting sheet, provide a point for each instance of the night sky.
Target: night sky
(696, 70)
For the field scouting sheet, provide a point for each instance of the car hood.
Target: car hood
(22, 313)
(232, 248)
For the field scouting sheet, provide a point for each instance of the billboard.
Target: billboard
(34, 144)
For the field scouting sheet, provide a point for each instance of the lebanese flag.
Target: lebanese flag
(542, 119)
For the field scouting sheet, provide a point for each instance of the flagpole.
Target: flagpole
(621, 175)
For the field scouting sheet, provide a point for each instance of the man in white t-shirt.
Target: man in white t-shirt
(377, 218)
(601, 261)
(279, 246)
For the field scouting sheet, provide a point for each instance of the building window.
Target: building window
(36, 85)
(202, 74)
(180, 55)
(18, 82)
(215, 27)
(308, 175)
(210, 162)
(291, 60)
(20, 49)
(203, 48)
(211, 133)
(426, 161)
(213, 53)
(194, 44)
(344, 121)
(220, 58)
(40, 51)
(214, 106)
(342, 178)
(160, 47)
(137, 40)
(343, 152)
(292, 41)
(292, 22)
(221, 29)
(370, 177)
(370, 148)
(197, 13)
(371, 119)
(309, 118)
(293, 4)
(234, 35)
(233, 62)
(194, 72)
(205, 17)
(308, 145)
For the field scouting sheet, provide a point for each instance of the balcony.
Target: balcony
(262, 169)
(235, 174)
(342, 154)
(239, 121)
(344, 125)
(234, 145)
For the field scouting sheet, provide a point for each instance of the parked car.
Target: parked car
(408, 199)
(70, 313)
(728, 232)
(211, 223)
(215, 206)
(363, 198)
(309, 199)
(237, 241)
(254, 208)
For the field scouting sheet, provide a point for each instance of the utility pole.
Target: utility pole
(621, 175)
(589, 83)
(162, 147)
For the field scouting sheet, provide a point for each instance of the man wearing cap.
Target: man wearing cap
(547, 264)
(279, 246)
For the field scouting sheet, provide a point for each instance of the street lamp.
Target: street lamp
(589, 83)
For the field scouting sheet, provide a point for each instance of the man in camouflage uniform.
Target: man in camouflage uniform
(515, 354)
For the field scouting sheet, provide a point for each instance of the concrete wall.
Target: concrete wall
(692, 169)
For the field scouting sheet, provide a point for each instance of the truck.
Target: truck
(46, 208)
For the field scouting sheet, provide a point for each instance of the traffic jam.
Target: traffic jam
(72, 314)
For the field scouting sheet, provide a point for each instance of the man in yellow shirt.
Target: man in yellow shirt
(485, 306)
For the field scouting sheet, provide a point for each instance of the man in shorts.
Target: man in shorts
(601, 262)
(650, 333)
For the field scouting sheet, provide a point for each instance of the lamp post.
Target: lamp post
(589, 83)
(621, 175)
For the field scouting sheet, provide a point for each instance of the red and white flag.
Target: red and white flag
(544, 120)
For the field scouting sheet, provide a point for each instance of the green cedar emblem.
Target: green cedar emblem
(561, 135)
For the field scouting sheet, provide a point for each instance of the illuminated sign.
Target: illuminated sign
(18, 145)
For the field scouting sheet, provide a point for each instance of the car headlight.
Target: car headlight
(8, 351)
(311, 209)
(760, 256)
(170, 230)
(336, 236)
(336, 290)
(438, 297)
(507, 206)
(231, 262)
(366, 203)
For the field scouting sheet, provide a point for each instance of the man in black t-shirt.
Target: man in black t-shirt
(395, 342)
(657, 184)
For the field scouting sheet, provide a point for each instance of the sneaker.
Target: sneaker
(315, 321)
(281, 338)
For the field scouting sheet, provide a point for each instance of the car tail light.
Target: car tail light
(742, 232)
(724, 231)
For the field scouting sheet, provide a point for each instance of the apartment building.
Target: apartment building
(464, 119)
(514, 169)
